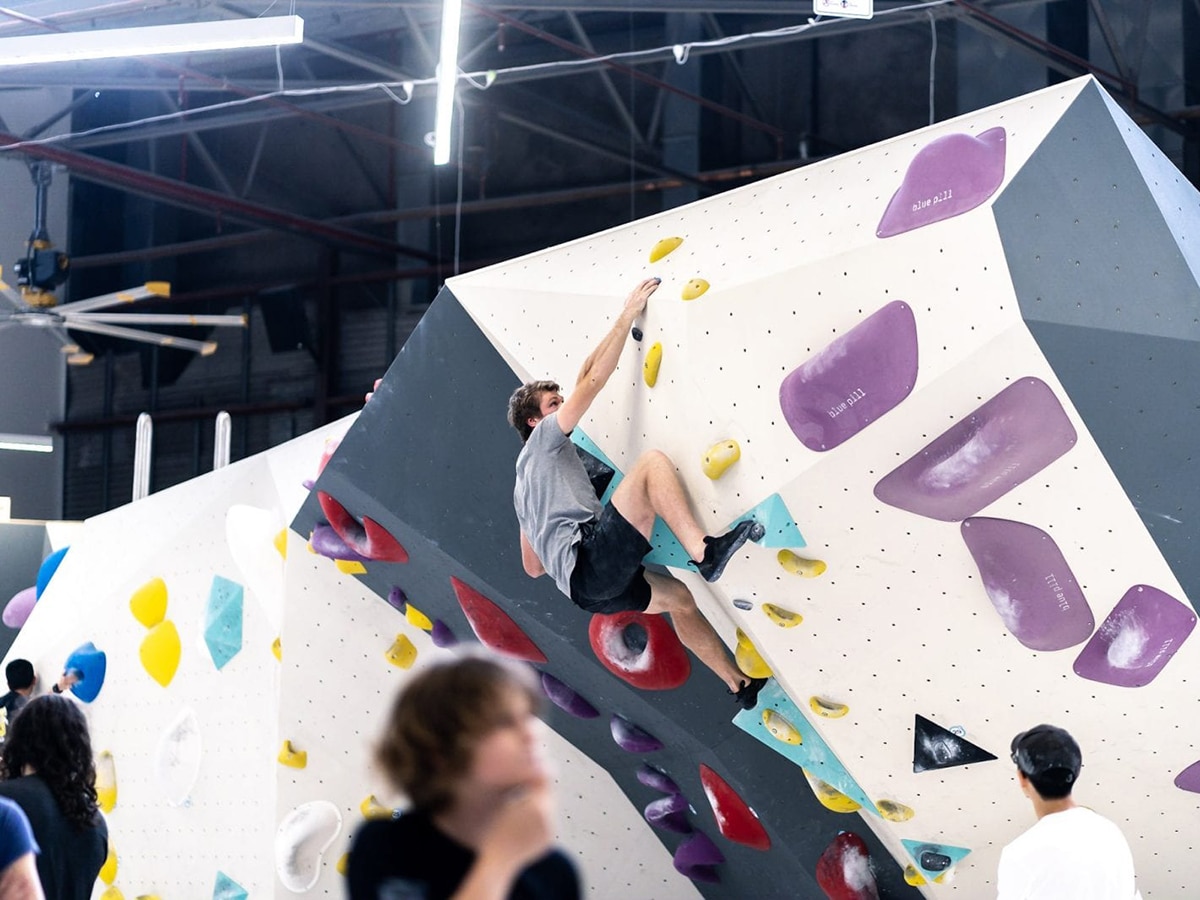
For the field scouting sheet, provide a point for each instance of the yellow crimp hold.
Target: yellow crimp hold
(798, 565)
(893, 811)
(402, 653)
(780, 728)
(112, 893)
(663, 247)
(149, 602)
(831, 798)
(913, 876)
(416, 618)
(159, 288)
(784, 618)
(373, 809)
(106, 781)
(277, 648)
(749, 660)
(350, 567)
(650, 366)
(694, 288)
(281, 542)
(827, 708)
(291, 757)
(343, 864)
(108, 871)
(148, 897)
(160, 652)
(720, 457)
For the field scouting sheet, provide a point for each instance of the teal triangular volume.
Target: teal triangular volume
(228, 889)
(811, 754)
(918, 850)
(773, 515)
(667, 549)
(580, 439)
(223, 620)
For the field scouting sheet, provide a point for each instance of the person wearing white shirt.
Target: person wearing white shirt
(1071, 852)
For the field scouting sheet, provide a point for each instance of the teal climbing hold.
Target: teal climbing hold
(223, 620)
(667, 549)
(778, 521)
(812, 753)
(228, 889)
(584, 442)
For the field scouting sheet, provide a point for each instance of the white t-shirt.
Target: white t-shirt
(1075, 854)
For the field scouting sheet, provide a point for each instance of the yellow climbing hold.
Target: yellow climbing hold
(831, 798)
(350, 567)
(913, 876)
(291, 757)
(827, 708)
(106, 781)
(780, 728)
(749, 660)
(720, 457)
(416, 618)
(798, 565)
(149, 602)
(108, 871)
(112, 893)
(663, 247)
(694, 288)
(373, 809)
(402, 653)
(784, 618)
(277, 648)
(650, 366)
(160, 652)
(281, 542)
(893, 811)
(343, 864)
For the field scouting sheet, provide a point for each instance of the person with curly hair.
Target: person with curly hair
(462, 741)
(47, 769)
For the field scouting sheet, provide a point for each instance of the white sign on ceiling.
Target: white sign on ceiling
(850, 9)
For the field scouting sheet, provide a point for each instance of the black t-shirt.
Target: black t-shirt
(410, 859)
(71, 857)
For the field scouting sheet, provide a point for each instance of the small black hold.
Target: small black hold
(637, 333)
(932, 861)
(635, 638)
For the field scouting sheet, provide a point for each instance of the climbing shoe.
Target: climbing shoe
(747, 694)
(719, 550)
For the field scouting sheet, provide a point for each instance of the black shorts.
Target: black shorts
(608, 575)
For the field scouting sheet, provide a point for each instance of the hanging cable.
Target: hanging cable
(932, 62)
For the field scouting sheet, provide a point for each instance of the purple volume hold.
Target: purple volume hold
(697, 858)
(1003, 443)
(566, 699)
(854, 380)
(1029, 583)
(948, 177)
(669, 813)
(654, 777)
(443, 637)
(1189, 778)
(325, 541)
(1137, 639)
(632, 739)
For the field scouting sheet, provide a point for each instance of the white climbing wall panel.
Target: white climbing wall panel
(899, 624)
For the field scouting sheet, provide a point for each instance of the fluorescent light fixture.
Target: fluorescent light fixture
(447, 76)
(150, 40)
(31, 443)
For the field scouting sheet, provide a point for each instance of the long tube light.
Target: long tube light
(150, 40)
(32, 443)
(447, 76)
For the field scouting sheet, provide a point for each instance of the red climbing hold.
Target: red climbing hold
(737, 821)
(844, 869)
(493, 626)
(641, 649)
(368, 538)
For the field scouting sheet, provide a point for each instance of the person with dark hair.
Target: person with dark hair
(18, 866)
(1071, 853)
(463, 742)
(21, 682)
(594, 551)
(48, 770)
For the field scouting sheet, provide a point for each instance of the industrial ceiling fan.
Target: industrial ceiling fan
(43, 269)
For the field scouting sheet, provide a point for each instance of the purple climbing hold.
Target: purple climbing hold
(697, 858)
(632, 739)
(566, 699)
(948, 177)
(396, 596)
(656, 778)
(852, 381)
(1137, 639)
(442, 635)
(670, 813)
(326, 542)
(1189, 779)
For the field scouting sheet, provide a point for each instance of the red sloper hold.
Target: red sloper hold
(844, 869)
(493, 626)
(641, 649)
(369, 539)
(736, 820)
